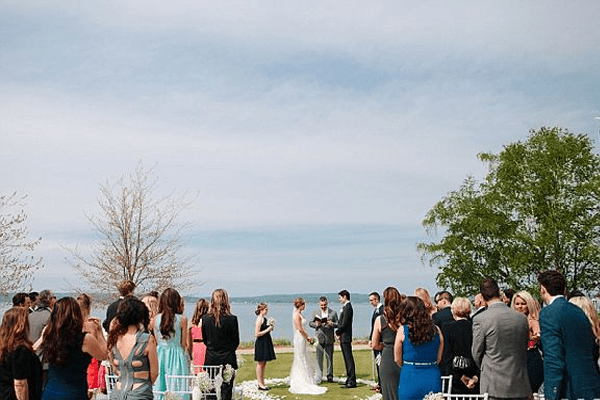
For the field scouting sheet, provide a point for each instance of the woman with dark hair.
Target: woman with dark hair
(132, 351)
(384, 337)
(95, 371)
(196, 346)
(69, 350)
(221, 335)
(417, 350)
(171, 332)
(263, 346)
(20, 367)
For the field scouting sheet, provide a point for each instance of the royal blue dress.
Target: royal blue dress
(420, 373)
(69, 381)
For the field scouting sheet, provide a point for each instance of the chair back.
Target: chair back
(483, 396)
(184, 384)
(111, 382)
(447, 384)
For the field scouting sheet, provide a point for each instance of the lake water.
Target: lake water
(282, 312)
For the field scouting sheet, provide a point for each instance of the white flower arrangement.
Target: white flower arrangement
(203, 382)
(271, 322)
(171, 396)
(228, 373)
(433, 396)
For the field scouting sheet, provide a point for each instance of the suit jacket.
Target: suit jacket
(378, 311)
(568, 343)
(499, 349)
(344, 329)
(111, 311)
(324, 333)
(221, 341)
(443, 317)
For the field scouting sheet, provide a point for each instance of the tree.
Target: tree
(537, 209)
(16, 267)
(140, 238)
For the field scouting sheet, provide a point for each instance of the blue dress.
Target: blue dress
(172, 359)
(69, 381)
(420, 373)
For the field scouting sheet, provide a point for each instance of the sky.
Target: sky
(314, 135)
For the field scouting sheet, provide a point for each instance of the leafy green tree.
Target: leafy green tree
(538, 208)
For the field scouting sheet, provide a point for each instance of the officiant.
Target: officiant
(324, 321)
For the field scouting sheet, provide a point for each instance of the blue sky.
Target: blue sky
(316, 134)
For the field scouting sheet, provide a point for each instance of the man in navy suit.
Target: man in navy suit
(568, 343)
(375, 301)
(344, 334)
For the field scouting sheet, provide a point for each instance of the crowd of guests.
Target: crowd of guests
(507, 346)
(52, 349)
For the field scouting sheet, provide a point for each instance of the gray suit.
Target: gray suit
(324, 335)
(500, 351)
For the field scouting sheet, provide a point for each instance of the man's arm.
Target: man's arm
(478, 347)
(334, 319)
(312, 323)
(343, 321)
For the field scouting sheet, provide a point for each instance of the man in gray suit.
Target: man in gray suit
(324, 321)
(499, 348)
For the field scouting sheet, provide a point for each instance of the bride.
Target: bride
(303, 373)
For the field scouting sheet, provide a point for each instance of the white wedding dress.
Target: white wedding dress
(304, 367)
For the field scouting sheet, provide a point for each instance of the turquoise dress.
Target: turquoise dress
(420, 373)
(172, 359)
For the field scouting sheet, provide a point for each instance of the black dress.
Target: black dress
(389, 371)
(21, 363)
(458, 339)
(263, 346)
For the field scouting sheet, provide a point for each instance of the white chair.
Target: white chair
(184, 384)
(447, 384)
(180, 384)
(111, 382)
(483, 396)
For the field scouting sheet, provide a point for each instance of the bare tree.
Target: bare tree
(16, 267)
(139, 238)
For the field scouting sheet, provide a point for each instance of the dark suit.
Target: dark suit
(221, 343)
(568, 343)
(378, 311)
(324, 334)
(344, 331)
(111, 311)
(441, 319)
(499, 349)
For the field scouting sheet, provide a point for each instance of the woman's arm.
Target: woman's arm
(441, 348)
(298, 325)
(152, 358)
(95, 349)
(258, 324)
(398, 345)
(184, 337)
(376, 343)
(21, 389)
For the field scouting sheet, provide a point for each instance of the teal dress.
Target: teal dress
(420, 373)
(172, 359)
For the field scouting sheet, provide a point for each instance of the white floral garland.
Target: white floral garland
(251, 391)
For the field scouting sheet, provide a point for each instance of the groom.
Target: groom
(344, 334)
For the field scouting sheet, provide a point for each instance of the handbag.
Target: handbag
(461, 362)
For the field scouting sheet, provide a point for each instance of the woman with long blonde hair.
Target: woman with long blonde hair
(424, 295)
(590, 311)
(221, 334)
(524, 302)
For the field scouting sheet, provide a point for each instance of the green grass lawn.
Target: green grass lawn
(280, 368)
